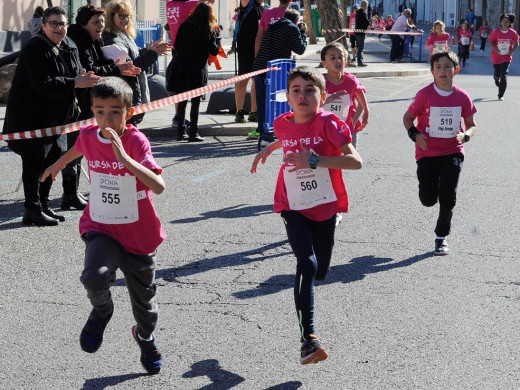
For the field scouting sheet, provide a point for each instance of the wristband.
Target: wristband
(412, 133)
(467, 137)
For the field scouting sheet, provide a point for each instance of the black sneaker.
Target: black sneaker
(361, 64)
(151, 358)
(91, 336)
(240, 117)
(441, 247)
(253, 117)
(175, 121)
(312, 351)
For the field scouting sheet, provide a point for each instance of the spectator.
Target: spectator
(247, 26)
(401, 24)
(86, 34)
(352, 35)
(120, 30)
(35, 24)
(197, 37)
(282, 38)
(43, 95)
(470, 17)
(269, 16)
(362, 23)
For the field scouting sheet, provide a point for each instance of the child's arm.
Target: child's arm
(335, 96)
(62, 162)
(360, 96)
(349, 160)
(264, 153)
(471, 129)
(149, 178)
(418, 138)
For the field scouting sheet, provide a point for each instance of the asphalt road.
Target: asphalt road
(390, 314)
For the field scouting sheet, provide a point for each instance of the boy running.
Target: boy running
(310, 190)
(119, 225)
(439, 140)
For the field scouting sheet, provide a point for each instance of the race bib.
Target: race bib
(113, 199)
(444, 121)
(307, 188)
(339, 107)
(439, 46)
(464, 40)
(503, 47)
(484, 35)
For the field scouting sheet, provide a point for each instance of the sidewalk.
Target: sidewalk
(158, 123)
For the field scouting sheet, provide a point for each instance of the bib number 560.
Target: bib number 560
(309, 185)
(110, 198)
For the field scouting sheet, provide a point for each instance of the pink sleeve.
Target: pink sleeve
(417, 105)
(337, 131)
(142, 153)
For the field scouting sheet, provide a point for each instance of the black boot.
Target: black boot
(47, 211)
(194, 134)
(70, 198)
(181, 133)
(38, 218)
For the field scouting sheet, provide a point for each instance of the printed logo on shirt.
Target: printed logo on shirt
(105, 164)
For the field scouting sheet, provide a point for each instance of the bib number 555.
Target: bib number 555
(110, 198)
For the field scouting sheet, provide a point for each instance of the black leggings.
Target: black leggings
(438, 180)
(500, 75)
(312, 244)
(194, 112)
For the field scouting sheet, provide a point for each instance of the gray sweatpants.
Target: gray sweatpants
(103, 256)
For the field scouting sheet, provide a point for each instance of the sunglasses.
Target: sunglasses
(55, 24)
(124, 17)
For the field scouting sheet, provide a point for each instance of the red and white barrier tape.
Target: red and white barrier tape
(350, 30)
(151, 106)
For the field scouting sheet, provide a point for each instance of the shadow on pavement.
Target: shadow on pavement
(238, 211)
(293, 385)
(103, 383)
(222, 379)
(353, 271)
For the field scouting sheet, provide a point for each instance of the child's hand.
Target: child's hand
(335, 96)
(260, 157)
(420, 140)
(299, 160)
(52, 171)
(117, 145)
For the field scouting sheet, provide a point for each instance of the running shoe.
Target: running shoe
(253, 117)
(254, 134)
(312, 351)
(240, 117)
(175, 121)
(91, 336)
(151, 358)
(441, 247)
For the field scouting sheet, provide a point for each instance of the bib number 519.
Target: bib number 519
(309, 185)
(110, 198)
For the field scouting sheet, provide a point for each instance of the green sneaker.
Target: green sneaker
(254, 134)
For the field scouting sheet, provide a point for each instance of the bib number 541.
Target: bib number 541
(110, 198)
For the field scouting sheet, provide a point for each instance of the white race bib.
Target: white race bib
(339, 107)
(484, 35)
(444, 121)
(438, 46)
(503, 47)
(307, 188)
(464, 40)
(113, 199)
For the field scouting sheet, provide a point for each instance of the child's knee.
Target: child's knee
(96, 278)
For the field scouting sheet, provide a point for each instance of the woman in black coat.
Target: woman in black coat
(196, 39)
(43, 95)
(86, 34)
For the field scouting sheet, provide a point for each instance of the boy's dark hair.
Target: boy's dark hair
(53, 11)
(112, 87)
(292, 15)
(444, 53)
(329, 46)
(309, 74)
(86, 12)
(511, 17)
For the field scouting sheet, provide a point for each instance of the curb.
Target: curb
(205, 130)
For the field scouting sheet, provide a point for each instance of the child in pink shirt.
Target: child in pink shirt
(344, 90)
(465, 37)
(310, 190)
(439, 137)
(119, 225)
(438, 39)
(503, 42)
(484, 31)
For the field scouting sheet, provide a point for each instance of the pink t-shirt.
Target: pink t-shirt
(484, 31)
(502, 39)
(324, 135)
(465, 37)
(271, 15)
(435, 39)
(352, 22)
(429, 99)
(350, 84)
(144, 235)
(176, 13)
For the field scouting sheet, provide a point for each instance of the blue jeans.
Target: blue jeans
(312, 244)
(260, 102)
